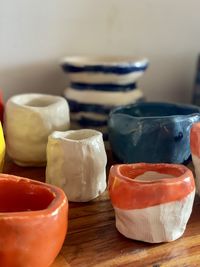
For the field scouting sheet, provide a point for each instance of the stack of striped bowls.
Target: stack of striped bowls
(97, 85)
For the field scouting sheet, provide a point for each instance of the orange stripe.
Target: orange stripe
(195, 139)
(126, 193)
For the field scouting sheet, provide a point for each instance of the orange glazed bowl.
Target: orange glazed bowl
(33, 222)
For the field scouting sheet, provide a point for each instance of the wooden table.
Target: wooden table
(93, 241)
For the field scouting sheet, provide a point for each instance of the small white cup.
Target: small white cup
(76, 162)
(29, 119)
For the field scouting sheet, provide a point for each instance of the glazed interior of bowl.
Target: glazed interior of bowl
(152, 109)
(109, 60)
(22, 195)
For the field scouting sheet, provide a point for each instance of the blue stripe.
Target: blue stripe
(120, 70)
(85, 122)
(77, 107)
(104, 87)
(100, 109)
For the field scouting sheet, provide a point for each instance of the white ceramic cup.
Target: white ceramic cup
(76, 162)
(29, 119)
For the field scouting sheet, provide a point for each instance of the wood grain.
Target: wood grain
(93, 241)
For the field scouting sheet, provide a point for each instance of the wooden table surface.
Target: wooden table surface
(93, 241)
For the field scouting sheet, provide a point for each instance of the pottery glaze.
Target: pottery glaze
(152, 132)
(29, 119)
(152, 202)
(1, 106)
(76, 162)
(195, 151)
(2, 148)
(33, 222)
(97, 84)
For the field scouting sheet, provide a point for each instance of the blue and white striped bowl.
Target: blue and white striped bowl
(99, 84)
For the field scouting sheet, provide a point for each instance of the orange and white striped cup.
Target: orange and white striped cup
(152, 202)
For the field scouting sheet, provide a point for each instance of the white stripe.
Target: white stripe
(90, 78)
(160, 223)
(88, 115)
(103, 98)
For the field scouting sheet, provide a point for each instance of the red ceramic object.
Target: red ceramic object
(195, 151)
(195, 139)
(33, 222)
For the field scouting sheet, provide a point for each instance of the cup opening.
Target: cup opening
(39, 102)
(150, 173)
(35, 100)
(80, 135)
(20, 195)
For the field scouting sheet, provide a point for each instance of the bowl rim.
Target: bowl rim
(53, 208)
(166, 104)
(112, 61)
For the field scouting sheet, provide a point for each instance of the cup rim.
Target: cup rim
(64, 135)
(57, 203)
(31, 96)
(129, 194)
(116, 171)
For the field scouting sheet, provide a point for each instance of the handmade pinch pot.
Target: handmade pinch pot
(76, 162)
(152, 132)
(33, 222)
(97, 84)
(29, 119)
(195, 151)
(152, 202)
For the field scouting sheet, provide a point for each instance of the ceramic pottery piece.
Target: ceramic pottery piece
(152, 132)
(152, 202)
(76, 162)
(33, 222)
(195, 151)
(1, 106)
(29, 119)
(97, 84)
(2, 148)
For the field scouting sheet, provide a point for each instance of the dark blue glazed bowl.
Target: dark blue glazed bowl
(152, 132)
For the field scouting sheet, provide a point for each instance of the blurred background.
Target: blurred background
(35, 35)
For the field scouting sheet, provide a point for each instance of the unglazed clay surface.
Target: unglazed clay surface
(29, 119)
(160, 223)
(76, 162)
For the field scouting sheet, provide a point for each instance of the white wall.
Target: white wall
(35, 34)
